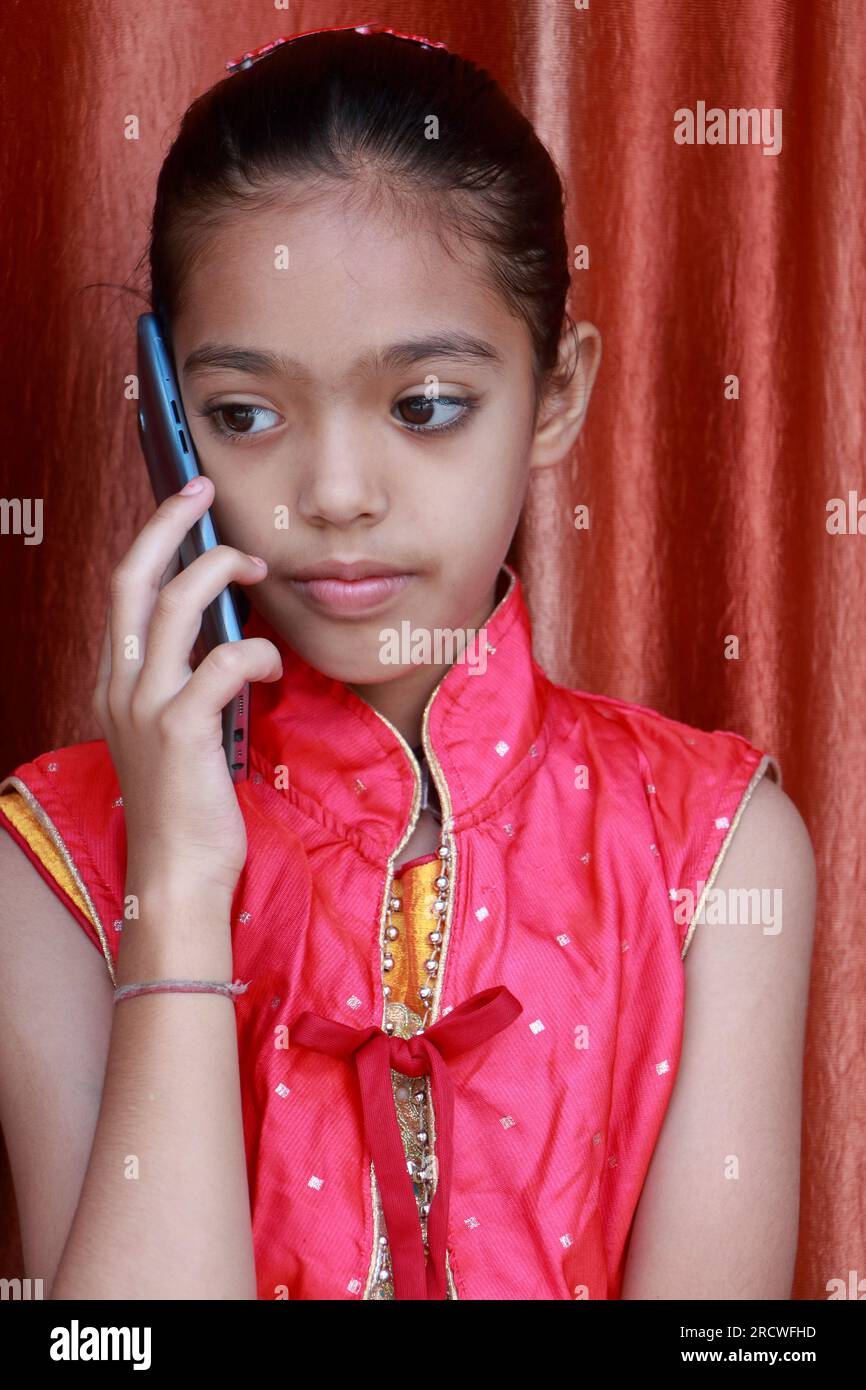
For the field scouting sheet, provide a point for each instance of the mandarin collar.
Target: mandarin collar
(337, 759)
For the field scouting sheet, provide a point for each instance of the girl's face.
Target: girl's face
(307, 341)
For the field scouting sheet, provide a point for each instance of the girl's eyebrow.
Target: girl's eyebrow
(259, 361)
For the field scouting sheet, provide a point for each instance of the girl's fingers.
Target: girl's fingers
(135, 583)
(171, 570)
(177, 617)
(219, 677)
(103, 669)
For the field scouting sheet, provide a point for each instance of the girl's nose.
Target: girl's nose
(343, 487)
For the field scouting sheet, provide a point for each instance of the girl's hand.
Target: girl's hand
(162, 721)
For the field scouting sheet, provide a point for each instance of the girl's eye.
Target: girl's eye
(238, 419)
(421, 409)
(234, 420)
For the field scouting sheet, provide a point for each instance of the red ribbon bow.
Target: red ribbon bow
(376, 1052)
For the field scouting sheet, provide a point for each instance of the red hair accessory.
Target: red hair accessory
(246, 60)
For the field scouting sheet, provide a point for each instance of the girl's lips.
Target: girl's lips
(346, 596)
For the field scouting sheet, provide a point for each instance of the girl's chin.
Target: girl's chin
(369, 671)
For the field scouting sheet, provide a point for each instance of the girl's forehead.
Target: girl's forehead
(307, 283)
(329, 235)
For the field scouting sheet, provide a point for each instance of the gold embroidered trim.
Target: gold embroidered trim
(411, 1117)
(377, 1288)
(384, 1288)
(768, 762)
(45, 820)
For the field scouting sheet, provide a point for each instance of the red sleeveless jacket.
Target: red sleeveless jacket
(578, 826)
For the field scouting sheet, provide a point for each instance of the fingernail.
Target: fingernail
(257, 559)
(194, 485)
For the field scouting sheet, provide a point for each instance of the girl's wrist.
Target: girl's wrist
(181, 938)
(160, 896)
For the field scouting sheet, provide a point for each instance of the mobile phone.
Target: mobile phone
(169, 453)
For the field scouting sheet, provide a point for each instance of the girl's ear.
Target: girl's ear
(565, 402)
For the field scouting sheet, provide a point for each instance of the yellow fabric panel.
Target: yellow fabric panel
(414, 920)
(15, 808)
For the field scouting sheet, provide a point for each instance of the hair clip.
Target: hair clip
(253, 55)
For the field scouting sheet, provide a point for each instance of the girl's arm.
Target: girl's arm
(55, 1022)
(158, 1207)
(163, 1210)
(718, 1215)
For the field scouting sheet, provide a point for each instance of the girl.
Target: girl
(438, 1039)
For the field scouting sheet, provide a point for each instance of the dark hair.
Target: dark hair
(356, 108)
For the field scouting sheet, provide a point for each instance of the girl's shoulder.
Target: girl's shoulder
(657, 742)
(64, 810)
(678, 791)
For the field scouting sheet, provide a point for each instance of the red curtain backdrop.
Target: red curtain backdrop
(707, 514)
